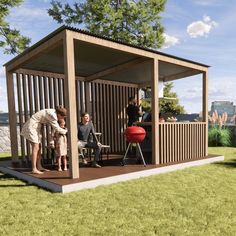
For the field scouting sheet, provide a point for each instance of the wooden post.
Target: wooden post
(12, 116)
(205, 107)
(70, 99)
(155, 114)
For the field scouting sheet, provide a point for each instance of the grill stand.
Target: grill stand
(126, 152)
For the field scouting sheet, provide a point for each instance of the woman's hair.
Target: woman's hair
(131, 98)
(61, 110)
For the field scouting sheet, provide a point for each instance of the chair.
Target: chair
(105, 149)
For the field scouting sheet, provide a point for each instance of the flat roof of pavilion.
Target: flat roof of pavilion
(99, 57)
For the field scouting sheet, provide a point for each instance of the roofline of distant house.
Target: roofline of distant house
(64, 27)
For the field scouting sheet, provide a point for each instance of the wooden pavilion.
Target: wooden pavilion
(87, 72)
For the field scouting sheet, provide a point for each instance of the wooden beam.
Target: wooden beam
(181, 62)
(116, 69)
(205, 106)
(45, 73)
(12, 116)
(189, 72)
(70, 99)
(144, 85)
(36, 52)
(155, 114)
(116, 83)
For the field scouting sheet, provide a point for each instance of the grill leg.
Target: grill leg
(123, 160)
(144, 163)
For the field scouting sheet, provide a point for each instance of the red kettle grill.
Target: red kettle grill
(134, 134)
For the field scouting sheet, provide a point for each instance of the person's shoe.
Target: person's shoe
(95, 165)
(84, 161)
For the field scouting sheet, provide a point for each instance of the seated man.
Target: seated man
(86, 127)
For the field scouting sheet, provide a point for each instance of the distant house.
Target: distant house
(223, 106)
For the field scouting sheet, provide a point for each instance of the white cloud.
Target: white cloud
(206, 2)
(170, 41)
(201, 27)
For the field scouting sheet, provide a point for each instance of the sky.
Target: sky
(200, 30)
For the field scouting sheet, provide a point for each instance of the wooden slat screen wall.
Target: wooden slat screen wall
(181, 141)
(108, 111)
(34, 93)
(107, 106)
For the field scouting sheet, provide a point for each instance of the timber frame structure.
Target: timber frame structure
(87, 72)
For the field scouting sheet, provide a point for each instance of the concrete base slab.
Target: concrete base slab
(108, 180)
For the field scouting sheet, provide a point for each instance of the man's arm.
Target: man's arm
(93, 133)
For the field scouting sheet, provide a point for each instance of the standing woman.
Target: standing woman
(32, 131)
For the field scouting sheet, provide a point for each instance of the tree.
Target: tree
(170, 105)
(133, 21)
(11, 39)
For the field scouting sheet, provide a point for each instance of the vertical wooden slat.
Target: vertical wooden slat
(26, 114)
(50, 92)
(36, 94)
(63, 92)
(105, 138)
(101, 111)
(46, 127)
(118, 118)
(70, 98)
(111, 117)
(178, 142)
(55, 92)
(12, 116)
(60, 91)
(93, 102)
(42, 106)
(20, 113)
(115, 118)
(77, 101)
(30, 95)
(108, 113)
(87, 97)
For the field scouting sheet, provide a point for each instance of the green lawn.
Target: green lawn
(194, 201)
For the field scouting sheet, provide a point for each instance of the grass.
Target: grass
(5, 154)
(194, 201)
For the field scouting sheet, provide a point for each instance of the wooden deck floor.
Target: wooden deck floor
(110, 169)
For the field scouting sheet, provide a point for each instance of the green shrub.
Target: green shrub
(219, 136)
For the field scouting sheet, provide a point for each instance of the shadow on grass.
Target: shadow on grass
(227, 164)
(7, 177)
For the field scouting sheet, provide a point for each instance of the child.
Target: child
(61, 146)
